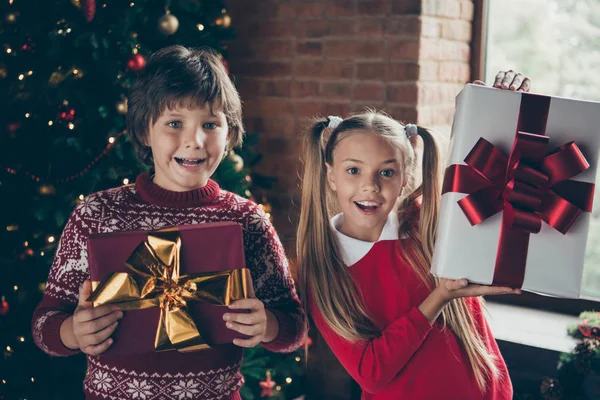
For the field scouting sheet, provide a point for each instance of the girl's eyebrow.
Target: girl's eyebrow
(392, 160)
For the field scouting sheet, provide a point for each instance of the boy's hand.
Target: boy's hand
(451, 289)
(260, 324)
(93, 326)
(510, 80)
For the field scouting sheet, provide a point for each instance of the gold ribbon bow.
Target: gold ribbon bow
(155, 281)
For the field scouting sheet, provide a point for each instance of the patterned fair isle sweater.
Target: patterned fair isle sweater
(209, 374)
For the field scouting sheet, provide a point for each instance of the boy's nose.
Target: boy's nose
(196, 140)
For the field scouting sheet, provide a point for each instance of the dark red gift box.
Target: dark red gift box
(206, 247)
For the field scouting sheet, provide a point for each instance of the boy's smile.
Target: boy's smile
(187, 146)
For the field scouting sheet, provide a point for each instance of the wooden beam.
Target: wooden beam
(479, 39)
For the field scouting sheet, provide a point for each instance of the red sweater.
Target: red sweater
(411, 359)
(209, 374)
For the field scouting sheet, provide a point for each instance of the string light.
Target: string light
(15, 288)
(75, 71)
(32, 380)
(21, 76)
(68, 178)
(131, 4)
(9, 50)
(68, 30)
(30, 73)
(288, 380)
(27, 115)
(200, 27)
(4, 380)
(71, 126)
(11, 228)
(50, 239)
(298, 359)
(8, 348)
(81, 197)
(125, 181)
(50, 123)
(42, 253)
(26, 244)
(60, 31)
(21, 339)
(278, 388)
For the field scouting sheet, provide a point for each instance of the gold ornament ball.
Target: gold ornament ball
(47, 190)
(238, 162)
(11, 18)
(226, 21)
(168, 24)
(122, 107)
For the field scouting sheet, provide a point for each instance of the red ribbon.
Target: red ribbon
(529, 186)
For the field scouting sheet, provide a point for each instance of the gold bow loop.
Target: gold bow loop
(155, 281)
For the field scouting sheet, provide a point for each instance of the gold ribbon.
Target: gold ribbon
(155, 281)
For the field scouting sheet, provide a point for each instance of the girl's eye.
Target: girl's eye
(352, 171)
(175, 124)
(211, 125)
(387, 173)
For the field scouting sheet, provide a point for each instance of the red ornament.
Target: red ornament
(136, 63)
(4, 307)
(68, 115)
(267, 386)
(89, 9)
(309, 341)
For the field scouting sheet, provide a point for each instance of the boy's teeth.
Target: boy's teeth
(188, 162)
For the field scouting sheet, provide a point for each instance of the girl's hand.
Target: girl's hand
(451, 289)
(510, 80)
(260, 324)
(93, 326)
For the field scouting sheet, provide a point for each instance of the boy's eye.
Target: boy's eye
(211, 125)
(175, 124)
(352, 171)
(387, 173)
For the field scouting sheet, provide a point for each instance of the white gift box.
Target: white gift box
(554, 261)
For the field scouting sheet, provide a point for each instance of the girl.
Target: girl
(366, 270)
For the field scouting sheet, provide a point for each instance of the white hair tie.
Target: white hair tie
(411, 130)
(334, 121)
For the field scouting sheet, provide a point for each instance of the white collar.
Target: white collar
(353, 249)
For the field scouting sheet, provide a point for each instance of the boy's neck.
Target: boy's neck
(154, 194)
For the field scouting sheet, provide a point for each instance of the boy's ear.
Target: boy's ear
(330, 177)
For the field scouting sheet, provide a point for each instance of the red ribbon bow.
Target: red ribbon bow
(529, 186)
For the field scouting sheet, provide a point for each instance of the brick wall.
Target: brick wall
(294, 59)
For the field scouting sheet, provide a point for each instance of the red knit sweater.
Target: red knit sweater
(411, 359)
(210, 374)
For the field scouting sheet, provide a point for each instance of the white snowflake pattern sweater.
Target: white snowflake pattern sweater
(209, 374)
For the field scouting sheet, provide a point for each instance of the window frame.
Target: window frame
(478, 62)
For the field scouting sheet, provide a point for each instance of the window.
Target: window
(557, 44)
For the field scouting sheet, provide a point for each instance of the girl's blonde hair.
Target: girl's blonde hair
(323, 273)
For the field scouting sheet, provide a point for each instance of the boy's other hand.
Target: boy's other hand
(260, 324)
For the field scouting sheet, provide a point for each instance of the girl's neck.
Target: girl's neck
(370, 235)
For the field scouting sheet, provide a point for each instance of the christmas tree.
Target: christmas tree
(65, 70)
